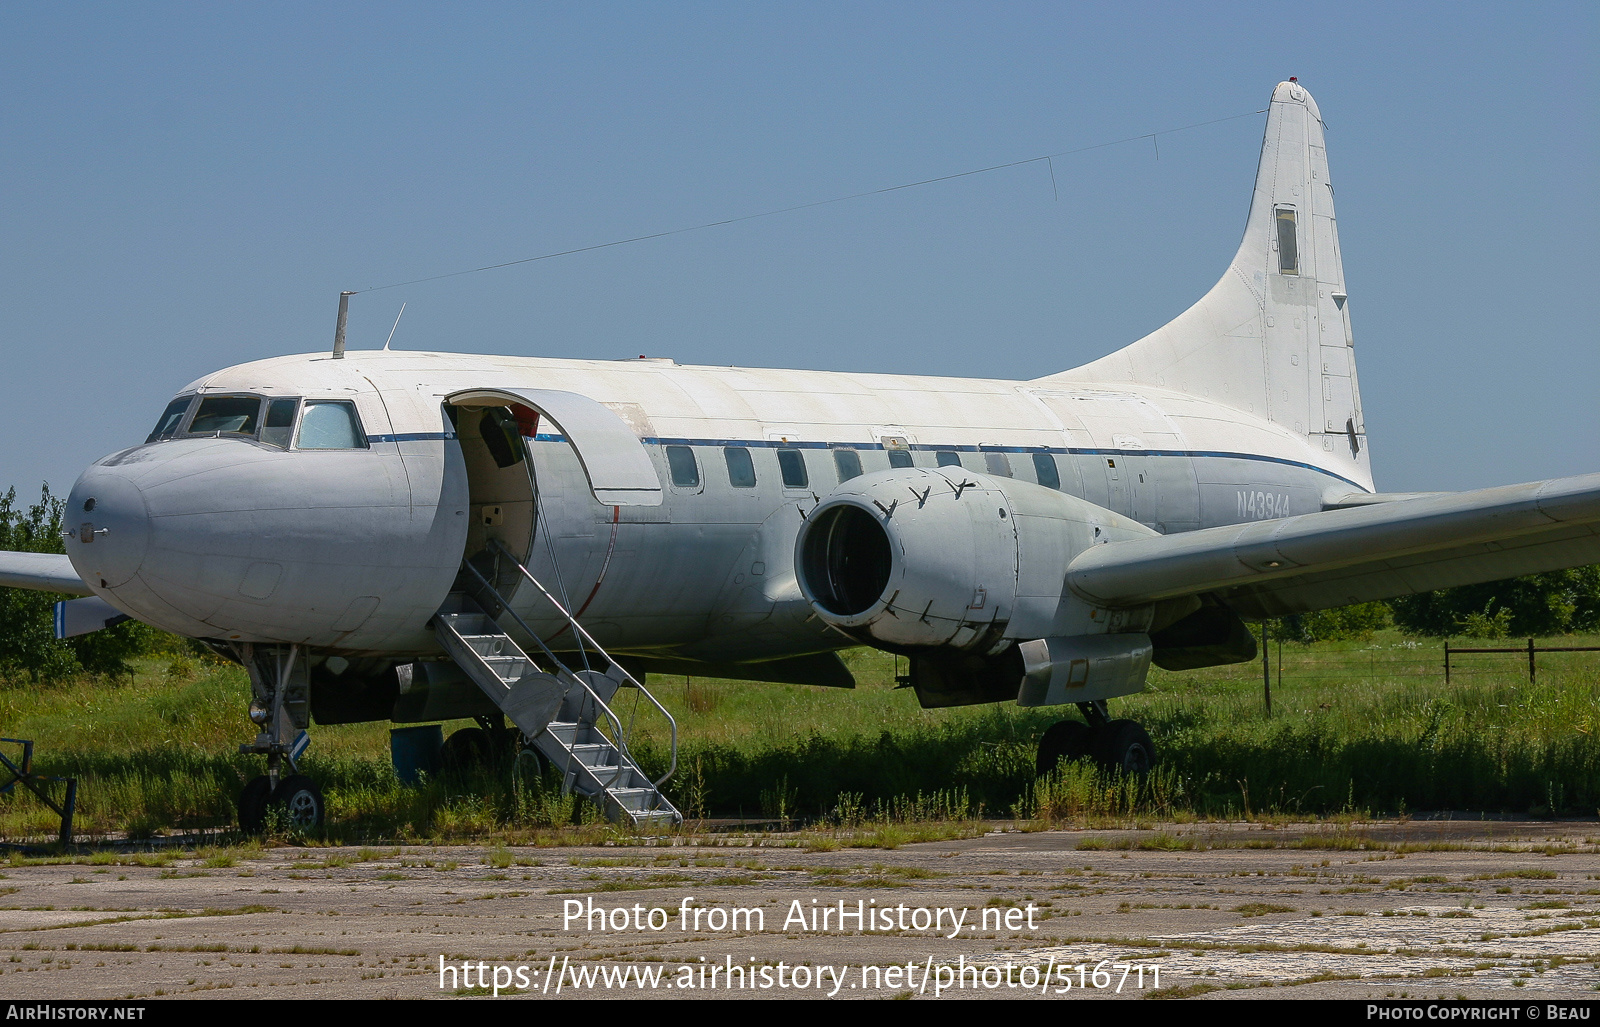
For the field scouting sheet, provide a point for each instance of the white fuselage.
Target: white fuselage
(353, 550)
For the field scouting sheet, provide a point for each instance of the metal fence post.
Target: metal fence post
(1266, 668)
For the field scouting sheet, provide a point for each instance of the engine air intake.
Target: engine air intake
(845, 560)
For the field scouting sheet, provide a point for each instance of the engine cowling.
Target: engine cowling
(966, 574)
(915, 557)
(956, 567)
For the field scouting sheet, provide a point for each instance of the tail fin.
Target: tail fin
(1272, 338)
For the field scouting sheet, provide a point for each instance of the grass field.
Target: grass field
(1355, 728)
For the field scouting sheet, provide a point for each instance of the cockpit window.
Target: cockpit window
(331, 424)
(279, 425)
(170, 419)
(226, 415)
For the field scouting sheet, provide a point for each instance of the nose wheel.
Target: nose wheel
(296, 804)
(1121, 745)
(280, 710)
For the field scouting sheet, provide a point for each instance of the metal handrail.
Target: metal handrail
(578, 630)
(616, 722)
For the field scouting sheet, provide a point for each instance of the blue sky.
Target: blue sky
(186, 187)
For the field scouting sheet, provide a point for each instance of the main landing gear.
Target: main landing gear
(280, 707)
(1113, 744)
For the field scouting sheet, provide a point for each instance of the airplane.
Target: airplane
(416, 537)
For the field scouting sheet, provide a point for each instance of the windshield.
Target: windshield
(170, 419)
(229, 415)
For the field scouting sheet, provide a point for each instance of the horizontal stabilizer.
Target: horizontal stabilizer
(76, 617)
(43, 572)
(1321, 560)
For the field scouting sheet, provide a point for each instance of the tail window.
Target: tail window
(948, 458)
(900, 458)
(848, 462)
(1288, 248)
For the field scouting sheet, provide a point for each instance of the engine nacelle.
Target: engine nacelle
(955, 568)
(912, 558)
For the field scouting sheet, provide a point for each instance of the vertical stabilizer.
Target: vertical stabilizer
(1272, 338)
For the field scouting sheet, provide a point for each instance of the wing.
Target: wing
(44, 572)
(1320, 560)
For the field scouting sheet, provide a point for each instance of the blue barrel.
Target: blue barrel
(415, 751)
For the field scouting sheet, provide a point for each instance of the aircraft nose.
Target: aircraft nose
(110, 527)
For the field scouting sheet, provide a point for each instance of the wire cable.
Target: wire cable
(818, 203)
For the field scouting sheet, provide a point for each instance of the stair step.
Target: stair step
(636, 799)
(595, 756)
(594, 764)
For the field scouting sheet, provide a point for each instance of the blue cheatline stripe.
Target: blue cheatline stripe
(932, 448)
(414, 436)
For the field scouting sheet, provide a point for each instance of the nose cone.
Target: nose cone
(110, 527)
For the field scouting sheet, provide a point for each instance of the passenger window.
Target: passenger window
(1288, 250)
(741, 472)
(948, 458)
(1044, 465)
(997, 464)
(331, 424)
(848, 462)
(899, 458)
(226, 415)
(685, 471)
(170, 419)
(279, 426)
(793, 465)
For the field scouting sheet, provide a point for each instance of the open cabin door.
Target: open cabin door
(493, 426)
(613, 457)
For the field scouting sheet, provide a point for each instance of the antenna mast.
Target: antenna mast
(338, 331)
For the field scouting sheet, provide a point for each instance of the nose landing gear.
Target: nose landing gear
(280, 706)
(1113, 744)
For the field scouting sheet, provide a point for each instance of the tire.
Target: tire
(1063, 740)
(1124, 745)
(467, 750)
(253, 801)
(530, 764)
(302, 802)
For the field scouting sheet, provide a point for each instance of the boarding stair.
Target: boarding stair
(565, 713)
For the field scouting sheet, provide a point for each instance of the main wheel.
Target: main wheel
(530, 764)
(253, 804)
(1063, 740)
(467, 750)
(1124, 745)
(302, 802)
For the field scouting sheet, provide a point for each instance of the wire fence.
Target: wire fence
(1418, 660)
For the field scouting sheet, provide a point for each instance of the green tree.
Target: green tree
(1355, 623)
(28, 646)
(1553, 603)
